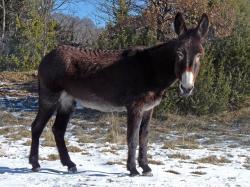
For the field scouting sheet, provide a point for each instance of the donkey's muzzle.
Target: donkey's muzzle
(186, 91)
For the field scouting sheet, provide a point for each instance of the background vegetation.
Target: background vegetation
(31, 28)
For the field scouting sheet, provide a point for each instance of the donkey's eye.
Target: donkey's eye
(197, 57)
(180, 55)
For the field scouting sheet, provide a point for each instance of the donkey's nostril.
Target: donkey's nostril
(186, 91)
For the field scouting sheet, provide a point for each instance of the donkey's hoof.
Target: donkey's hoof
(36, 169)
(72, 169)
(134, 173)
(147, 173)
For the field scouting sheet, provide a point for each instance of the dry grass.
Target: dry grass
(169, 145)
(214, 149)
(247, 163)
(188, 143)
(49, 140)
(48, 136)
(85, 153)
(179, 156)
(210, 141)
(245, 142)
(14, 76)
(174, 172)
(52, 157)
(155, 162)
(213, 160)
(74, 149)
(115, 133)
(2, 153)
(27, 143)
(233, 146)
(183, 143)
(115, 163)
(9, 119)
(82, 135)
(198, 172)
(6, 130)
(85, 139)
(113, 151)
(22, 133)
(202, 122)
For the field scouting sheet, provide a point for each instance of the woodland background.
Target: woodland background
(31, 28)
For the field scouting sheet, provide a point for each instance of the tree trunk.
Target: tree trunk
(4, 19)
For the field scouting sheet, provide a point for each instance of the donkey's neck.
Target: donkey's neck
(162, 61)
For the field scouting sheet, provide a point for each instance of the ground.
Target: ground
(183, 151)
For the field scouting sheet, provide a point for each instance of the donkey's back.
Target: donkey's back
(71, 60)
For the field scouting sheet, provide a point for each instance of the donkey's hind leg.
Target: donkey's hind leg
(62, 118)
(47, 106)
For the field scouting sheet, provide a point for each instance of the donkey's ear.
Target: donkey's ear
(203, 26)
(179, 24)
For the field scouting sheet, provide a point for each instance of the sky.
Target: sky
(83, 9)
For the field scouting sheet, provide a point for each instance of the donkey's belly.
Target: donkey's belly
(94, 102)
(101, 106)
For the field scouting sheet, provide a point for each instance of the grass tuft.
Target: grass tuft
(183, 143)
(114, 163)
(155, 162)
(52, 157)
(247, 163)
(85, 139)
(174, 172)
(115, 133)
(198, 172)
(213, 160)
(74, 149)
(179, 156)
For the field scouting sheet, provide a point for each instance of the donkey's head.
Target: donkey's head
(188, 51)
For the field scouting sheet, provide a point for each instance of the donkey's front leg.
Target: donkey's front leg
(143, 141)
(134, 121)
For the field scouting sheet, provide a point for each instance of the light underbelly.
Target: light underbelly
(94, 103)
(99, 104)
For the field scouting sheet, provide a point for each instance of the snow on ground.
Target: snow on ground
(93, 169)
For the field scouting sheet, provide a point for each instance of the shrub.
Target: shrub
(10, 62)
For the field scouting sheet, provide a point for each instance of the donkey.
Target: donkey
(125, 80)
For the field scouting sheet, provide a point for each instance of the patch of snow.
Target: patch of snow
(93, 169)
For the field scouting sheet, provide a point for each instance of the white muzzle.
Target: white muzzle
(187, 83)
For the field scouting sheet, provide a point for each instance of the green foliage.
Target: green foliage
(127, 37)
(34, 37)
(120, 33)
(8, 63)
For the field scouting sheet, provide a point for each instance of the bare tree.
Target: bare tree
(4, 19)
(3, 24)
(75, 31)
